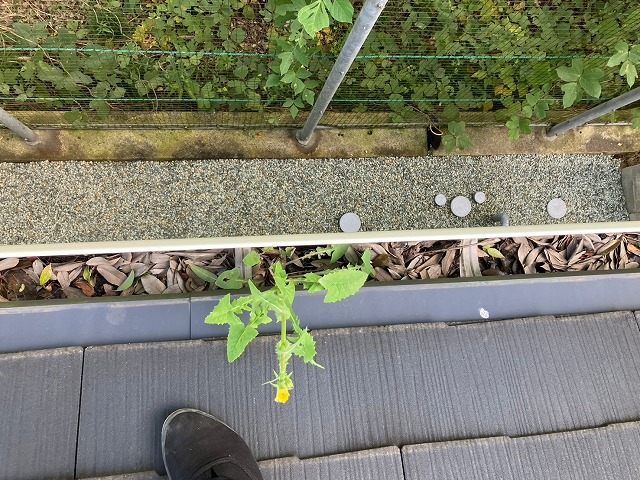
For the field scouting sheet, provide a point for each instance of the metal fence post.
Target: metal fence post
(595, 112)
(17, 127)
(359, 33)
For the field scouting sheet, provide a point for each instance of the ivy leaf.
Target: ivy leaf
(224, 313)
(338, 252)
(252, 259)
(341, 10)
(128, 282)
(313, 17)
(239, 337)
(203, 274)
(341, 284)
(570, 94)
(449, 142)
(230, 280)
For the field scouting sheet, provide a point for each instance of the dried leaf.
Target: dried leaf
(95, 261)
(111, 274)
(447, 262)
(609, 247)
(38, 266)
(72, 292)
(159, 258)
(490, 272)
(172, 289)
(63, 279)
(152, 285)
(630, 246)
(7, 263)
(67, 267)
(86, 288)
(382, 260)
(382, 275)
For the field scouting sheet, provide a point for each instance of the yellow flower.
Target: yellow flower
(282, 396)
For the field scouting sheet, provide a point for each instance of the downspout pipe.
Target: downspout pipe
(17, 127)
(596, 112)
(359, 33)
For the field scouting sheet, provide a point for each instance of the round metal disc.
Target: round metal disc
(350, 222)
(461, 206)
(480, 197)
(441, 200)
(557, 208)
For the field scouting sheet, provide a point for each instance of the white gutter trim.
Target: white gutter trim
(93, 248)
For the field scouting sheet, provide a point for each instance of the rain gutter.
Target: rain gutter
(93, 248)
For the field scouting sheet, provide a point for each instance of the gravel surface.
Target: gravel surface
(49, 202)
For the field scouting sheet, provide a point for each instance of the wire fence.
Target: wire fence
(240, 63)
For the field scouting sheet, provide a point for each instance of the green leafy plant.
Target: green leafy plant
(276, 303)
(579, 78)
(635, 119)
(456, 137)
(315, 16)
(627, 57)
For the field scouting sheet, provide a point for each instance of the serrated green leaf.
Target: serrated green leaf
(493, 252)
(230, 280)
(341, 284)
(128, 282)
(239, 337)
(313, 17)
(224, 313)
(338, 252)
(464, 141)
(305, 347)
(341, 10)
(203, 274)
(366, 263)
(46, 275)
(252, 259)
(449, 142)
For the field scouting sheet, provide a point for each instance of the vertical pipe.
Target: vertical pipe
(359, 33)
(595, 112)
(17, 127)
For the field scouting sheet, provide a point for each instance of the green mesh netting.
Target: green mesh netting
(219, 63)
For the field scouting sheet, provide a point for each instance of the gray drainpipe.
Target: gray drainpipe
(595, 112)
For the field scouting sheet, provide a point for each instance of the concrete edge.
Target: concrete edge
(188, 144)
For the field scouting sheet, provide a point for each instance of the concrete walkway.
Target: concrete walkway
(538, 398)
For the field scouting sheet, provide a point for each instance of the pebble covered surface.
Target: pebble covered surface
(51, 202)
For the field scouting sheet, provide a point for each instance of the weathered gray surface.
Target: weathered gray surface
(609, 453)
(39, 402)
(382, 463)
(631, 188)
(382, 386)
(92, 323)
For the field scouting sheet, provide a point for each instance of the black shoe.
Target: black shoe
(196, 445)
